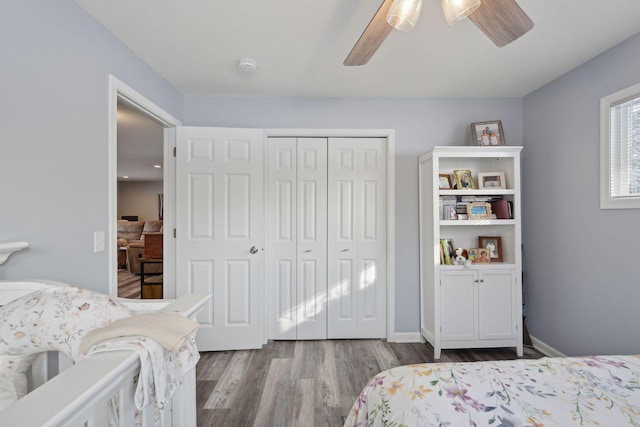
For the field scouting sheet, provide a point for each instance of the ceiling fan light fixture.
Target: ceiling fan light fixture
(456, 10)
(404, 14)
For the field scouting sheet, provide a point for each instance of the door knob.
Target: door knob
(253, 250)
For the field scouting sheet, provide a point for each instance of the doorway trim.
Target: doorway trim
(119, 91)
(389, 134)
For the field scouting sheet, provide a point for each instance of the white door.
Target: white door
(297, 232)
(219, 239)
(357, 266)
(496, 300)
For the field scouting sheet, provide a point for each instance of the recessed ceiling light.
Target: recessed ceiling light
(125, 177)
(157, 166)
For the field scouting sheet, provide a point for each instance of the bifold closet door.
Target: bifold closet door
(357, 265)
(297, 232)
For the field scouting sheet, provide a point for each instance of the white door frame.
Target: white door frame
(119, 91)
(389, 134)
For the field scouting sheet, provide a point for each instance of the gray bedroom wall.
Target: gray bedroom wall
(582, 285)
(419, 125)
(56, 60)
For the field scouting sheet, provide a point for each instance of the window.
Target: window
(620, 149)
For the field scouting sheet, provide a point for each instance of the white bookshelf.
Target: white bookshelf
(478, 305)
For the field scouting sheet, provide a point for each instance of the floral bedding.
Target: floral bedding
(571, 391)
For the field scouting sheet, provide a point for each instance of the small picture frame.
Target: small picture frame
(479, 210)
(493, 245)
(447, 251)
(472, 254)
(464, 179)
(491, 180)
(487, 133)
(482, 256)
(445, 181)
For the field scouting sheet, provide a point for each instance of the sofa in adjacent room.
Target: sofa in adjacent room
(131, 236)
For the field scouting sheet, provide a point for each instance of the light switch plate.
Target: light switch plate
(98, 241)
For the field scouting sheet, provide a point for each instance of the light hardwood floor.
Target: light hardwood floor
(128, 284)
(305, 383)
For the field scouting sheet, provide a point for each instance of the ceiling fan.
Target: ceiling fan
(502, 21)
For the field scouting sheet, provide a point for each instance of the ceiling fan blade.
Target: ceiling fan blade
(503, 21)
(372, 37)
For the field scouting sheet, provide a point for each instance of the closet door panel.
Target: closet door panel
(312, 238)
(357, 237)
(297, 227)
(281, 233)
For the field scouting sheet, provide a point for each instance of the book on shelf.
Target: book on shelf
(448, 210)
(501, 209)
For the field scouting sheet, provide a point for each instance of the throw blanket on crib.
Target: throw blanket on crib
(171, 330)
(161, 371)
(572, 391)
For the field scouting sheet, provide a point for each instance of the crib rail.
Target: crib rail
(81, 394)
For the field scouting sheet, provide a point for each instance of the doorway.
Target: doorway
(139, 201)
(148, 193)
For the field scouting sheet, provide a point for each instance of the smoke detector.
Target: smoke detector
(247, 65)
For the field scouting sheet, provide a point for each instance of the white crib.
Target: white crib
(79, 395)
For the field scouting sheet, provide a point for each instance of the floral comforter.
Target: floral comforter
(570, 391)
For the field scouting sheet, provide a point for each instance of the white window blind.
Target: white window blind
(620, 149)
(625, 149)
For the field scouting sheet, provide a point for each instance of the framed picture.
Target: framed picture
(448, 254)
(493, 244)
(464, 179)
(473, 254)
(445, 181)
(479, 210)
(482, 256)
(491, 180)
(487, 133)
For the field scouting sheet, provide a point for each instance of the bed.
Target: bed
(566, 391)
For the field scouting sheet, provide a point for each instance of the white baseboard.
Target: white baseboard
(545, 348)
(407, 337)
(541, 346)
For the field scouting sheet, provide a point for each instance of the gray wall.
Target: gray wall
(139, 198)
(419, 124)
(53, 136)
(582, 281)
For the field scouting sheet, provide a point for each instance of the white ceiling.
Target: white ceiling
(299, 46)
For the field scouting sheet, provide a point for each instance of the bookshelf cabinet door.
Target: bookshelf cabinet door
(496, 305)
(458, 305)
